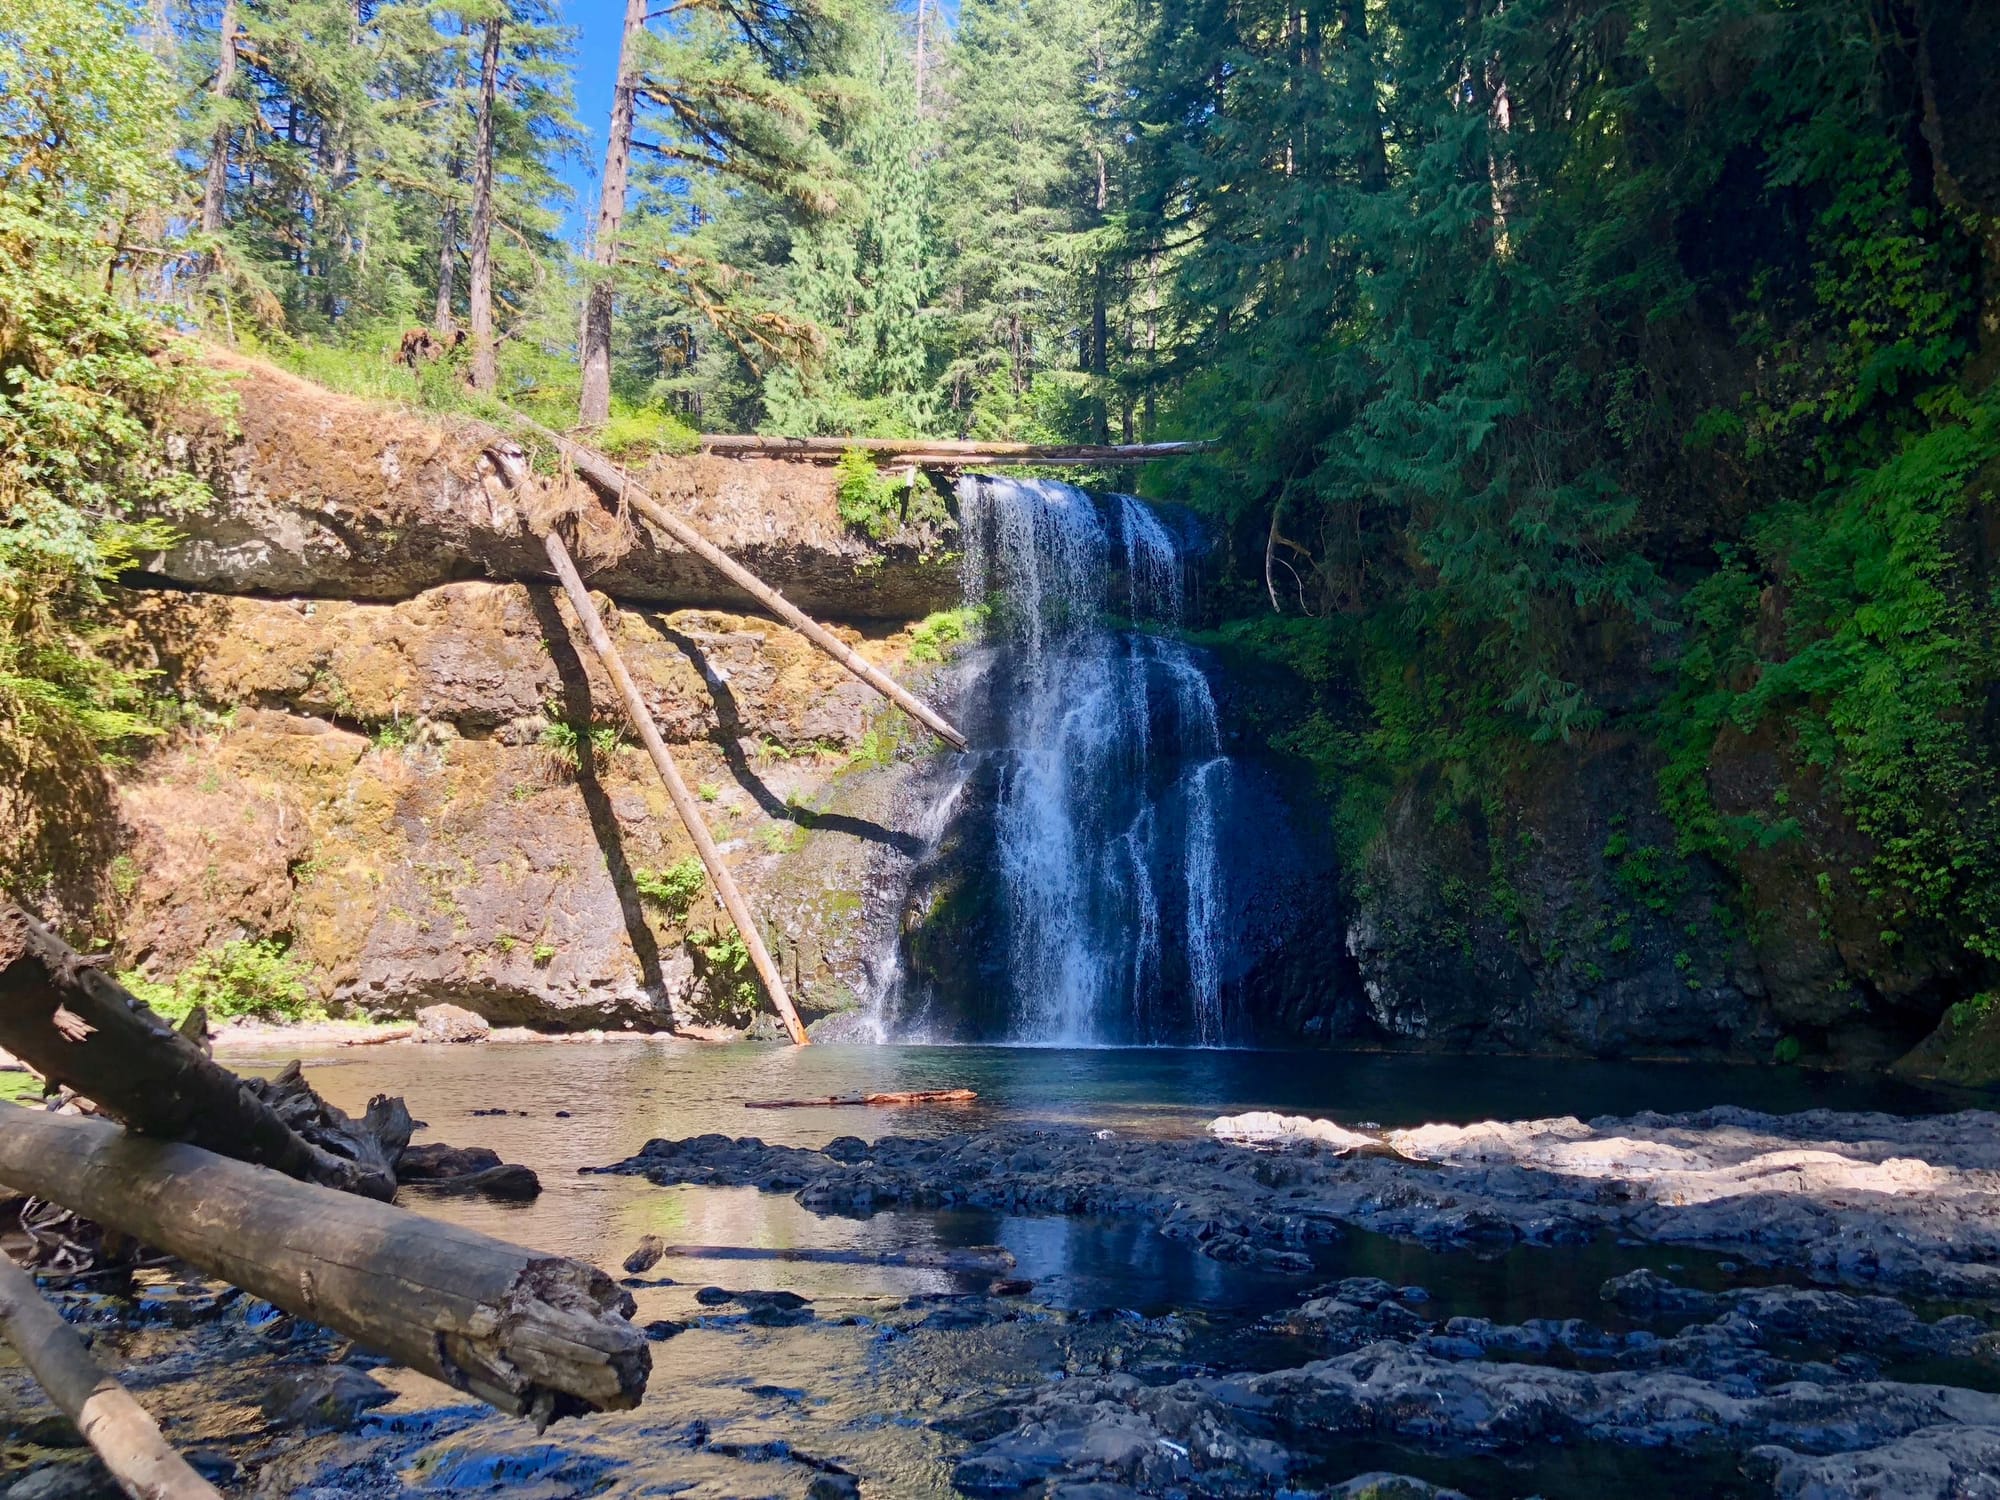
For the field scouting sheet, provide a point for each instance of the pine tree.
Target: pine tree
(731, 94)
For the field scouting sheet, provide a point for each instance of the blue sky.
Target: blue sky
(598, 24)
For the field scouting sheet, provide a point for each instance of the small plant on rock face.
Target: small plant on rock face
(673, 889)
(869, 502)
(708, 791)
(723, 962)
(1786, 1052)
(543, 953)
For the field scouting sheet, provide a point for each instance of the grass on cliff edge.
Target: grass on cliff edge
(530, 385)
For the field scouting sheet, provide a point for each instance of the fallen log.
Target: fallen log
(613, 480)
(977, 1259)
(946, 452)
(70, 1021)
(683, 799)
(533, 1335)
(119, 1430)
(917, 1096)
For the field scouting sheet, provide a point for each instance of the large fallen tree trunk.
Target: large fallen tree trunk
(71, 1022)
(947, 452)
(683, 799)
(118, 1429)
(534, 1335)
(614, 481)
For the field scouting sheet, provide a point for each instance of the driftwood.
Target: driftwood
(919, 1096)
(377, 1038)
(613, 480)
(72, 1023)
(987, 1260)
(947, 453)
(683, 799)
(533, 1335)
(118, 1428)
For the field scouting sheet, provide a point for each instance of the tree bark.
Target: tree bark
(683, 799)
(1374, 165)
(485, 368)
(441, 319)
(595, 352)
(601, 472)
(118, 1429)
(72, 1023)
(533, 1335)
(218, 153)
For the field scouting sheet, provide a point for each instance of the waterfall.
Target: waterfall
(1108, 788)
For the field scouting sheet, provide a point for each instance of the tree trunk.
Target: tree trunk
(601, 472)
(533, 1335)
(68, 1020)
(683, 799)
(441, 319)
(595, 407)
(1374, 164)
(485, 368)
(119, 1430)
(218, 151)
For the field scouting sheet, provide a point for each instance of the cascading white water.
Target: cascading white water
(1111, 785)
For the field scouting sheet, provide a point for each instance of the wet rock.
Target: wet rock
(451, 1023)
(1382, 1486)
(86, 1480)
(1941, 1463)
(662, 1329)
(435, 1160)
(330, 1397)
(834, 1487)
(646, 1255)
(509, 1182)
(1905, 1204)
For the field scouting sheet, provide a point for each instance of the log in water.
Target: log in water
(534, 1335)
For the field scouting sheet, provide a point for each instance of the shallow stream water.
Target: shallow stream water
(896, 1367)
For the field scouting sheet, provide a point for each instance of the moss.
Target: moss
(1965, 1048)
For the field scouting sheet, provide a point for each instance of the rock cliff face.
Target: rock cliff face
(333, 497)
(392, 789)
(395, 759)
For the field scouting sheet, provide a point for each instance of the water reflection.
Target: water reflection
(573, 1105)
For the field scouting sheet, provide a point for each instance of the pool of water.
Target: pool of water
(577, 1105)
(873, 1382)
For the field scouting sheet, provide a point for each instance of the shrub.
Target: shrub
(868, 502)
(248, 977)
(673, 889)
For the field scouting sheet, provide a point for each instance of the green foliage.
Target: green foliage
(869, 502)
(722, 961)
(241, 979)
(937, 637)
(673, 889)
(1786, 1052)
(86, 378)
(638, 432)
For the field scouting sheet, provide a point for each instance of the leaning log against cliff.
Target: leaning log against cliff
(670, 773)
(119, 1430)
(534, 1335)
(71, 1022)
(614, 481)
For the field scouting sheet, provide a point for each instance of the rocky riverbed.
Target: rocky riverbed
(1721, 1303)
(1865, 1198)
